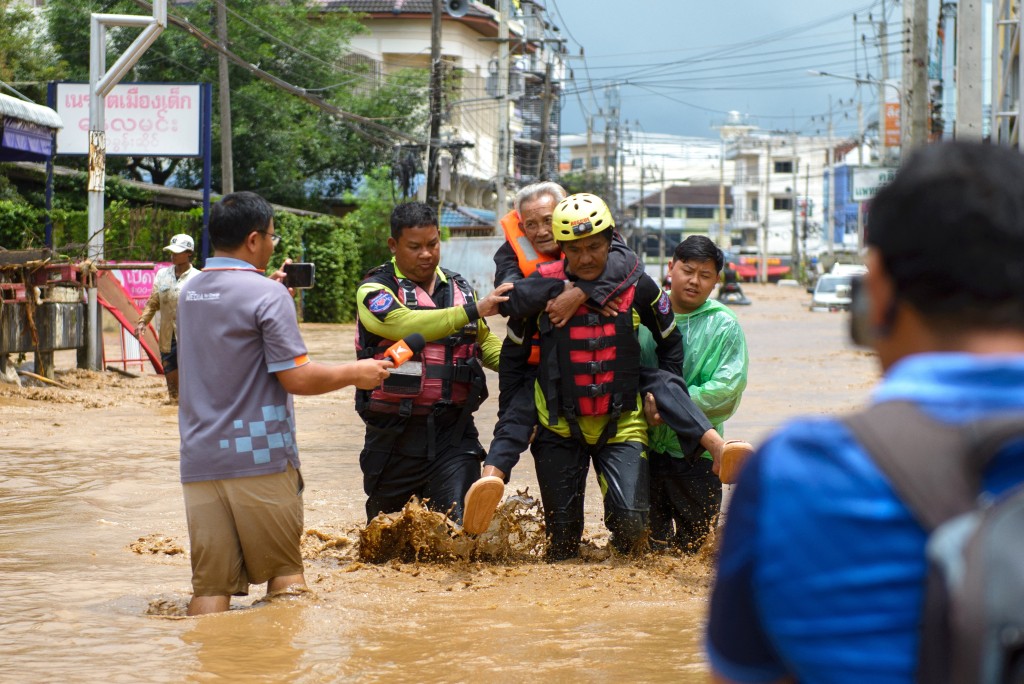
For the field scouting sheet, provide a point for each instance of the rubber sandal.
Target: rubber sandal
(481, 501)
(734, 456)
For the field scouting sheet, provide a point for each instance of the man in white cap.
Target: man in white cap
(164, 299)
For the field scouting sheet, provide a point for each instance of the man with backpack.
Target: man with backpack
(823, 572)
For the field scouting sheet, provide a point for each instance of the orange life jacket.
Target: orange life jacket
(528, 257)
(529, 260)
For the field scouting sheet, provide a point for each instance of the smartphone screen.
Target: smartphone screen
(299, 276)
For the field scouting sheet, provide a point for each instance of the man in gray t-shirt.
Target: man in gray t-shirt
(241, 357)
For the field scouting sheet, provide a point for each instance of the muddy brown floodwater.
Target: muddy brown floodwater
(94, 569)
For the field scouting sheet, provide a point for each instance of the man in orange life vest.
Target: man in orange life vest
(529, 242)
(420, 436)
(588, 383)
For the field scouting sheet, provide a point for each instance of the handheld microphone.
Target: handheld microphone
(403, 350)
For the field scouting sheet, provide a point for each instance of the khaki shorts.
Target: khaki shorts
(243, 531)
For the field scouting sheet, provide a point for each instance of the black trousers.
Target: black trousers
(686, 498)
(622, 470)
(517, 413)
(397, 462)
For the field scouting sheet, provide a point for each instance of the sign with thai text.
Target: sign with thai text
(137, 282)
(867, 180)
(153, 120)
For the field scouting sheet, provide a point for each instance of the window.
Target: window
(595, 162)
(576, 164)
(700, 213)
(783, 166)
(782, 204)
(654, 212)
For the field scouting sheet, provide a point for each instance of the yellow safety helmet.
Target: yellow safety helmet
(579, 216)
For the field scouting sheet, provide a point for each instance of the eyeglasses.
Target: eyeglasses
(274, 237)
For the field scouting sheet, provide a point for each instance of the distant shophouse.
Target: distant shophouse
(685, 210)
(778, 192)
(398, 37)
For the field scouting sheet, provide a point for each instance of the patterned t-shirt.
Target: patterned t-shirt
(238, 328)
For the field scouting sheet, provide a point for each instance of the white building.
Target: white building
(777, 190)
(642, 162)
(399, 37)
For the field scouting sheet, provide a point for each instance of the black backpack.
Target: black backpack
(973, 620)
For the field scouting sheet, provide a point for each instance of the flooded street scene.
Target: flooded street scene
(511, 341)
(94, 548)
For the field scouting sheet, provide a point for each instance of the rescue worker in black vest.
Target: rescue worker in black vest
(420, 435)
(587, 388)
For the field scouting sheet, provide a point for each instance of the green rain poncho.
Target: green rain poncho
(715, 367)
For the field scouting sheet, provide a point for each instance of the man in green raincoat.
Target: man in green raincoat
(686, 495)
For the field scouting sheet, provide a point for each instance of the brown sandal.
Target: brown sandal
(734, 456)
(481, 501)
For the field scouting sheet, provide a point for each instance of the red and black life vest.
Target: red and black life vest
(591, 365)
(452, 372)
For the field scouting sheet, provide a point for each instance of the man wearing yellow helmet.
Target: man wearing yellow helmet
(587, 389)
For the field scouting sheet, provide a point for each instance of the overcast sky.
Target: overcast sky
(683, 64)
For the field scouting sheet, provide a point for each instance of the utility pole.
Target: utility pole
(545, 172)
(590, 151)
(433, 195)
(762, 262)
(227, 168)
(807, 210)
(883, 40)
(621, 151)
(661, 237)
(721, 193)
(968, 71)
(504, 63)
(794, 246)
(641, 212)
(915, 74)
(830, 163)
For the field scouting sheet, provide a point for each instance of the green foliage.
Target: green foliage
(577, 181)
(25, 56)
(20, 224)
(324, 241)
(284, 148)
(372, 220)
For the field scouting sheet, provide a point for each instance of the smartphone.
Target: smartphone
(861, 331)
(299, 276)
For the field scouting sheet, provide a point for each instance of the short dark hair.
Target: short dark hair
(235, 216)
(410, 215)
(700, 248)
(954, 203)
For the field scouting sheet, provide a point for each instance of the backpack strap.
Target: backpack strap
(934, 467)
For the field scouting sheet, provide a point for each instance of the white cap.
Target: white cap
(181, 243)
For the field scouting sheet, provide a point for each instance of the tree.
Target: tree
(25, 58)
(284, 148)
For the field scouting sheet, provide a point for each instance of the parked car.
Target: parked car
(832, 293)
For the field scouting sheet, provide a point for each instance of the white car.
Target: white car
(832, 293)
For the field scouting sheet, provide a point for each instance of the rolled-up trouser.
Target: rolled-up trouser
(397, 464)
(676, 408)
(686, 498)
(623, 473)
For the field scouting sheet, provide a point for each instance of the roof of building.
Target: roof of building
(397, 7)
(456, 217)
(688, 196)
(29, 111)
